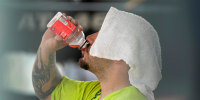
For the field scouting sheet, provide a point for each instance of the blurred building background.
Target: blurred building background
(23, 22)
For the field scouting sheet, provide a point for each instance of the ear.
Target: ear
(119, 61)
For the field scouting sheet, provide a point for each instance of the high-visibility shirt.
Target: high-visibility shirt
(69, 89)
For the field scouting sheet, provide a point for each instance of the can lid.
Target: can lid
(54, 19)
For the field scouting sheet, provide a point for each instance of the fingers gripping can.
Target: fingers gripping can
(62, 26)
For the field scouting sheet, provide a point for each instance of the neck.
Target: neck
(114, 78)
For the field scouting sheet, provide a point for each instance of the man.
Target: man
(113, 72)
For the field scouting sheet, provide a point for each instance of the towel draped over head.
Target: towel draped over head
(129, 37)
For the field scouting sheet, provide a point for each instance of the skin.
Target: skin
(112, 74)
(45, 76)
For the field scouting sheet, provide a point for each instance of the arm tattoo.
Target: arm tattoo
(45, 76)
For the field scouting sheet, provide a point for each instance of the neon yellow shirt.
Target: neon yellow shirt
(69, 89)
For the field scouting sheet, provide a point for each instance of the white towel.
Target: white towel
(131, 38)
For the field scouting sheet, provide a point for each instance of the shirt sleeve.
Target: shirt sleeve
(69, 89)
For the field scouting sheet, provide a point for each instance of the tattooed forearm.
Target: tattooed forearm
(45, 76)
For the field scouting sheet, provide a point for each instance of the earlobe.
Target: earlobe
(119, 61)
(122, 61)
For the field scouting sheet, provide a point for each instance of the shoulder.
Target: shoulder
(128, 93)
(74, 90)
(66, 82)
